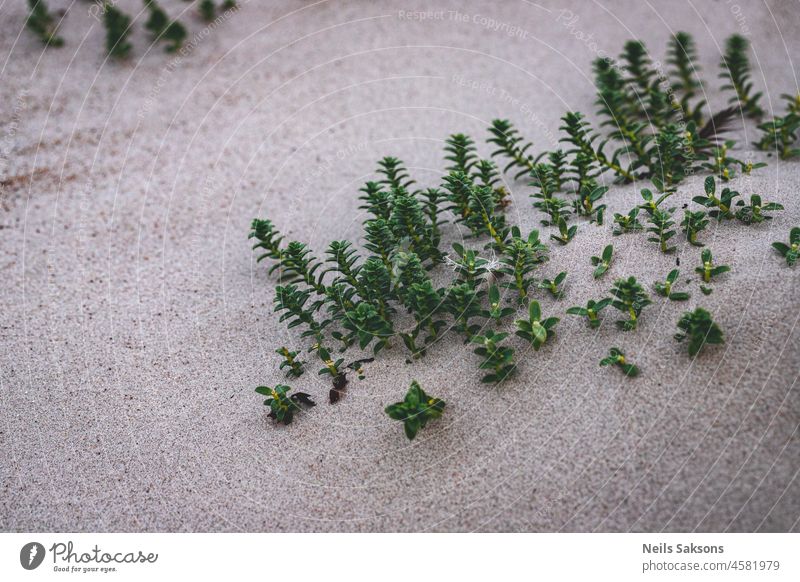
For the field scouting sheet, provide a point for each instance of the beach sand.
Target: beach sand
(136, 322)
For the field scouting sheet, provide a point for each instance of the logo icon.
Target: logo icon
(31, 555)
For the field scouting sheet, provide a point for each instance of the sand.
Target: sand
(136, 323)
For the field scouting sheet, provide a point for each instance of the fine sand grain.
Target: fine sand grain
(135, 322)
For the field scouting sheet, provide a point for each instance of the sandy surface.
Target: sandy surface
(135, 323)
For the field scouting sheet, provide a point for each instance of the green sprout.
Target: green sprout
(496, 311)
(735, 66)
(790, 252)
(617, 358)
(665, 289)
(535, 330)
(463, 303)
(496, 358)
(461, 153)
(700, 329)
(520, 258)
(282, 406)
(511, 144)
(118, 27)
(629, 297)
(291, 361)
(565, 234)
(692, 224)
(43, 24)
(591, 311)
(603, 262)
(650, 204)
(626, 223)
(754, 212)
(555, 287)
(661, 221)
(208, 11)
(587, 198)
(416, 409)
(331, 367)
(782, 133)
(720, 207)
(707, 269)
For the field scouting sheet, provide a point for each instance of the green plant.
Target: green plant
(682, 56)
(496, 358)
(782, 133)
(208, 11)
(291, 361)
(469, 266)
(591, 311)
(229, 4)
(395, 174)
(118, 27)
(661, 221)
(520, 257)
(665, 289)
(587, 198)
(511, 144)
(725, 166)
(535, 330)
(706, 290)
(496, 311)
(692, 224)
(790, 252)
(617, 358)
(707, 269)
(42, 23)
(651, 205)
(416, 409)
(461, 153)
(565, 233)
(754, 212)
(408, 224)
(282, 406)
(700, 329)
(175, 34)
(720, 207)
(365, 324)
(292, 302)
(654, 104)
(331, 367)
(627, 222)
(589, 161)
(671, 157)
(735, 66)
(157, 21)
(629, 297)
(463, 303)
(554, 286)
(603, 262)
(425, 304)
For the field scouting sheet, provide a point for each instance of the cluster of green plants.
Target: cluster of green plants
(118, 25)
(384, 295)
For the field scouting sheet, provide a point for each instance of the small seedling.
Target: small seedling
(118, 27)
(708, 270)
(416, 409)
(735, 67)
(520, 257)
(661, 221)
(629, 297)
(706, 290)
(332, 368)
(617, 358)
(565, 234)
(790, 252)
(693, 223)
(208, 11)
(665, 289)
(698, 326)
(720, 207)
(511, 144)
(42, 23)
(463, 302)
(535, 330)
(496, 311)
(291, 361)
(754, 212)
(587, 198)
(499, 359)
(555, 287)
(627, 222)
(603, 262)
(282, 406)
(591, 311)
(782, 133)
(651, 205)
